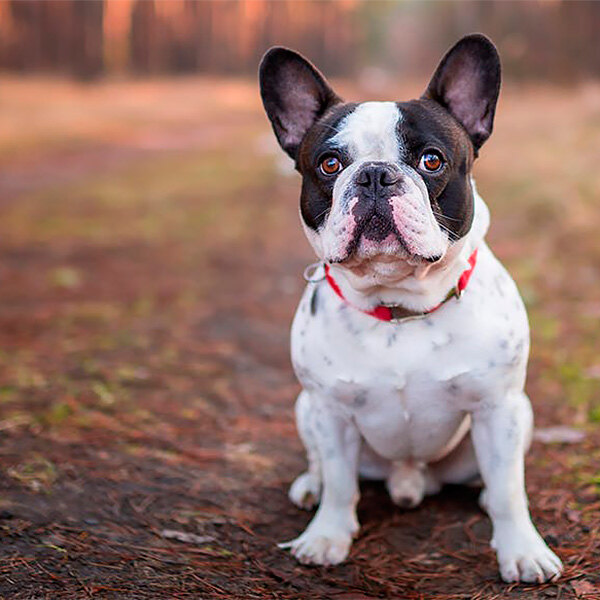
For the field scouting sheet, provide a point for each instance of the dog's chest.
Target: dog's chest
(408, 386)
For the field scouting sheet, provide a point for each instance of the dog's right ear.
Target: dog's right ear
(294, 94)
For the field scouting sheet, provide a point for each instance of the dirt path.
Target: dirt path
(147, 439)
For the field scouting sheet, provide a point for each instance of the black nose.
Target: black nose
(377, 174)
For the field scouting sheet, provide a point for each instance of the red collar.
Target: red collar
(399, 313)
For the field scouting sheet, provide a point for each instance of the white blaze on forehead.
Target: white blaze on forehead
(370, 132)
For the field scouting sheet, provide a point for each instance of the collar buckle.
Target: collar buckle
(415, 317)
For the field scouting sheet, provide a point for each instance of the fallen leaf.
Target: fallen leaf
(561, 434)
(586, 590)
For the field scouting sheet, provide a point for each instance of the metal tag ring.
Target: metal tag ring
(314, 272)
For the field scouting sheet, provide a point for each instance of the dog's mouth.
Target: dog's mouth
(376, 239)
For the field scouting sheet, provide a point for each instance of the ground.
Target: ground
(151, 260)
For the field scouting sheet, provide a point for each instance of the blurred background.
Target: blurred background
(150, 263)
(547, 40)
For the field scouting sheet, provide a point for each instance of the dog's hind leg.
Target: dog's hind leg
(461, 466)
(305, 492)
(371, 465)
(458, 467)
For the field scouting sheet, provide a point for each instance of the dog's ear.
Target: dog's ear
(294, 95)
(467, 84)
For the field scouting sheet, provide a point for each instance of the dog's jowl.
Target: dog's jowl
(411, 340)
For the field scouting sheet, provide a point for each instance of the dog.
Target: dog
(411, 340)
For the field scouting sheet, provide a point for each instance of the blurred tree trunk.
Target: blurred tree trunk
(542, 40)
(87, 43)
(142, 27)
(56, 35)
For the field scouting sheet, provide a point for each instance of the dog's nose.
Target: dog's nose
(377, 174)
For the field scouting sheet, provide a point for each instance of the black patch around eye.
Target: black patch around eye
(318, 141)
(455, 204)
(317, 189)
(426, 125)
(314, 203)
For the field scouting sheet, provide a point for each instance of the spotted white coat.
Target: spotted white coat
(420, 404)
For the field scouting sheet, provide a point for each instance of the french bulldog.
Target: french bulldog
(411, 340)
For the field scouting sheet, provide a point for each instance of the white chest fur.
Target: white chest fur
(409, 386)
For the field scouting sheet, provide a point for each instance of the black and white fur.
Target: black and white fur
(428, 401)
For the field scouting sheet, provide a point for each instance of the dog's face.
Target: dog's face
(384, 181)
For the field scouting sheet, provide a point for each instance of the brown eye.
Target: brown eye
(330, 165)
(431, 162)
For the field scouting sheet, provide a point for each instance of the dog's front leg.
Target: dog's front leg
(327, 539)
(501, 432)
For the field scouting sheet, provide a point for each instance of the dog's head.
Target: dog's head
(384, 180)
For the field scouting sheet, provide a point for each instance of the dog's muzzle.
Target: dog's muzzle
(375, 184)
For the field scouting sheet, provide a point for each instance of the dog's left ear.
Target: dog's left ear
(294, 94)
(467, 84)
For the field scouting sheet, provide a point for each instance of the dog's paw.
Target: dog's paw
(305, 492)
(525, 557)
(323, 543)
(406, 485)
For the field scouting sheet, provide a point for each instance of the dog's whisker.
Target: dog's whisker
(443, 216)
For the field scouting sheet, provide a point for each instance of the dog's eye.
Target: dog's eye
(431, 162)
(330, 165)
